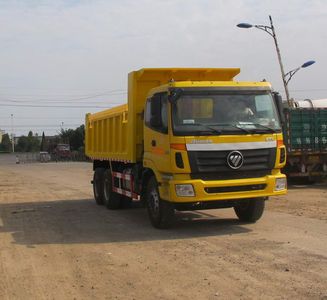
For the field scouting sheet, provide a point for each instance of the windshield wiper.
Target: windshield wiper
(209, 127)
(234, 126)
(265, 127)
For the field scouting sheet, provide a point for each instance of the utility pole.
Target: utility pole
(280, 63)
(12, 133)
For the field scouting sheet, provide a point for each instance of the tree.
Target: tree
(33, 143)
(75, 138)
(43, 146)
(5, 145)
(28, 143)
(22, 144)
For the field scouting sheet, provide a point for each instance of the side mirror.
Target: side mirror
(279, 104)
(174, 95)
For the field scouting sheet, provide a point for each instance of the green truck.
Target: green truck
(305, 138)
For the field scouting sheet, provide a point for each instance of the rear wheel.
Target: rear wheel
(98, 185)
(161, 213)
(111, 199)
(250, 210)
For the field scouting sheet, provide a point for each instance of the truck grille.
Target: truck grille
(257, 163)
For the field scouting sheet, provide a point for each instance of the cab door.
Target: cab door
(156, 137)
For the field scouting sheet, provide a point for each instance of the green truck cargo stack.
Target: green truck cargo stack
(305, 138)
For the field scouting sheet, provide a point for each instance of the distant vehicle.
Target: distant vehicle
(62, 152)
(309, 103)
(305, 138)
(44, 156)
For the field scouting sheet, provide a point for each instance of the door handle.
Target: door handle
(153, 143)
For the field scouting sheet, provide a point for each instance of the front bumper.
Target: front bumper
(206, 190)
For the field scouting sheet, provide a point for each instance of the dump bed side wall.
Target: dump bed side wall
(306, 130)
(106, 135)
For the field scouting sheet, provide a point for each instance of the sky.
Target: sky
(61, 59)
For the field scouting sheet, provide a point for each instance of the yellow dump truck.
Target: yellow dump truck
(189, 139)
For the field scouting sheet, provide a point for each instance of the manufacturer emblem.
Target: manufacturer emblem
(235, 160)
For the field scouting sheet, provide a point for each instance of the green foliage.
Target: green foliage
(28, 143)
(75, 138)
(5, 145)
(43, 146)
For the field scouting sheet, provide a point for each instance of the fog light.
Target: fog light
(184, 190)
(280, 184)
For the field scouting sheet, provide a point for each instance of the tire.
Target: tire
(111, 200)
(250, 210)
(98, 185)
(161, 213)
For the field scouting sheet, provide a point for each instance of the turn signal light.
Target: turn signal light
(178, 146)
(280, 143)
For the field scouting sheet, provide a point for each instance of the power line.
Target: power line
(308, 90)
(103, 92)
(24, 126)
(73, 100)
(55, 88)
(32, 102)
(55, 106)
(45, 118)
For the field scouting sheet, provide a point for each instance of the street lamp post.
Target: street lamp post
(271, 31)
(290, 74)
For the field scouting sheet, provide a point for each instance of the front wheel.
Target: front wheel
(161, 213)
(250, 210)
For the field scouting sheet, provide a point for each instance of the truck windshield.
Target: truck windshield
(242, 113)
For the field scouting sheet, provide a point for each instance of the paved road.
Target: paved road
(56, 243)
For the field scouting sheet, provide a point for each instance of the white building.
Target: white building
(2, 132)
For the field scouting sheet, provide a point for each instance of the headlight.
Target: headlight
(280, 184)
(184, 190)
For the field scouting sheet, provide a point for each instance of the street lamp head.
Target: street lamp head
(308, 63)
(244, 25)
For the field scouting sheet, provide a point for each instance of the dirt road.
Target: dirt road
(56, 243)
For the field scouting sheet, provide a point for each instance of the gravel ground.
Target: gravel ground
(56, 243)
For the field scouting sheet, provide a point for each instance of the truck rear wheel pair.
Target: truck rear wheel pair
(102, 189)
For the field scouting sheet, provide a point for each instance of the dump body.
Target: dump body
(305, 136)
(117, 133)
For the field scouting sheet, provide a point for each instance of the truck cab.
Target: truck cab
(209, 142)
